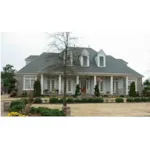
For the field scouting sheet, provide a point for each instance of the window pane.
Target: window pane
(27, 83)
(101, 61)
(69, 85)
(53, 85)
(101, 86)
(84, 60)
(32, 83)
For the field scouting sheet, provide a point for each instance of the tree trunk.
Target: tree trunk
(65, 83)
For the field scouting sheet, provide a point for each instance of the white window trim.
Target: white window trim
(104, 58)
(30, 81)
(88, 61)
(52, 78)
(71, 85)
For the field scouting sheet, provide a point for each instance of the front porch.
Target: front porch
(108, 85)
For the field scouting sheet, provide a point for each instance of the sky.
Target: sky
(132, 47)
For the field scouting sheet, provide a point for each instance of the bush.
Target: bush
(77, 91)
(148, 99)
(38, 101)
(46, 111)
(54, 100)
(97, 93)
(70, 100)
(144, 99)
(137, 99)
(119, 100)
(121, 95)
(13, 94)
(37, 88)
(132, 91)
(16, 106)
(130, 100)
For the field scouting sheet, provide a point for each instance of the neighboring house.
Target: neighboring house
(86, 67)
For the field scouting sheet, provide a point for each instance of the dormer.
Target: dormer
(30, 58)
(100, 59)
(84, 58)
(69, 58)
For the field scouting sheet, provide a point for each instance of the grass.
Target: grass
(105, 109)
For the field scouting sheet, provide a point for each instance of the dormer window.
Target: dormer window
(101, 59)
(84, 58)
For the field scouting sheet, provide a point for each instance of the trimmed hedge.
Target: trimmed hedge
(71, 100)
(119, 100)
(139, 99)
(17, 106)
(38, 100)
(46, 111)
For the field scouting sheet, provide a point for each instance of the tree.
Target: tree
(132, 91)
(146, 90)
(62, 41)
(77, 92)
(8, 78)
(37, 88)
(97, 93)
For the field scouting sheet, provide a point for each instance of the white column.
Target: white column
(77, 79)
(41, 83)
(136, 85)
(94, 81)
(59, 84)
(126, 85)
(111, 85)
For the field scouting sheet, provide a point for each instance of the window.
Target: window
(101, 59)
(101, 88)
(53, 84)
(69, 85)
(84, 60)
(29, 82)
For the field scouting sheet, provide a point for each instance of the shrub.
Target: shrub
(121, 95)
(38, 100)
(46, 111)
(137, 99)
(132, 91)
(77, 91)
(54, 100)
(13, 94)
(130, 100)
(37, 88)
(97, 93)
(119, 100)
(144, 99)
(17, 106)
(148, 99)
(70, 100)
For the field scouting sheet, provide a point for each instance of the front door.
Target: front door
(83, 85)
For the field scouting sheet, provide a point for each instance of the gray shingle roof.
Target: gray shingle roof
(48, 62)
(32, 57)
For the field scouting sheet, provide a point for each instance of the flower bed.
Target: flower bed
(16, 114)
